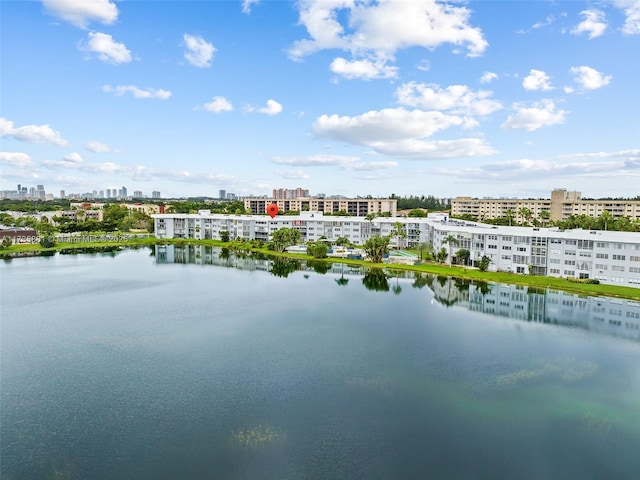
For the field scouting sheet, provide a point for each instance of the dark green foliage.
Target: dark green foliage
(48, 241)
(376, 247)
(224, 236)
(6, 242)
(376, 280)
(317, 249)
(484, 262)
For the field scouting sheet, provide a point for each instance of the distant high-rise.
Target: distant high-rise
(101, 193)
(222, 194)
(137, 193)
(155, 194)
(63, 194)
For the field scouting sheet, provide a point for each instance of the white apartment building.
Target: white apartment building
(610, 257)
(358, 207)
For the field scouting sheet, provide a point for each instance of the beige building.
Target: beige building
(357, 207)
(560, 206)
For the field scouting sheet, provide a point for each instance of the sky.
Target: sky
(341, 97)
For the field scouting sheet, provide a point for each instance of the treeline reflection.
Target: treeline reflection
(603, 314)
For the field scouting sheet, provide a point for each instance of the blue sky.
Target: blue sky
(342, 97)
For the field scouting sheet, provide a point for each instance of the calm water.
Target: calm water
(164, 365)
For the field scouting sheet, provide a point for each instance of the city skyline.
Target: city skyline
(344, 98)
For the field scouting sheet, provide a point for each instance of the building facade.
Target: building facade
(610, 257)
(560, 206)
(357, 207)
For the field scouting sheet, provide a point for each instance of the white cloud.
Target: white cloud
(31, 133)
(376, 30)
(536, 80)
(199, 52)
(364, 69)
(81, 12)
(107, 49)
(120, 90)
(97, 147)
(343, 162)
(399, 132)
(293, 174)
(16, 159)
(615, 164)
(455, 98)
(218, 104)
(593, 23)
(488, 77)
(271, 108)
(541, 114)
(73, 158)
(631, 10)
(247, 4)
(589, 78)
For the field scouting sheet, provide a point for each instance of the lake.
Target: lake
(198, 363)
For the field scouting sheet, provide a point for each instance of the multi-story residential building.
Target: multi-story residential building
(560, 206)
(610, 257)
(288, 194)
(358, 207)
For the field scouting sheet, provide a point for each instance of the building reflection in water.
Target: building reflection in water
(607, 315)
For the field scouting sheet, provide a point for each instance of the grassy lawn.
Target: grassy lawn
(431, 268)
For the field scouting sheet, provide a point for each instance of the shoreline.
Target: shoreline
(466, 273)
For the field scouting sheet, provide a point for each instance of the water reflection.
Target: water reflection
(602, 314)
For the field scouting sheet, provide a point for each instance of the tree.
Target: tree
(6, 242)
(606, 218)
(525, 214)
(450, 240)
(484, 262)
(462, 256)
(510, 214)
(441, 256)
(425, 248)
(224, 236)
(399, 232)
(342, 241)
(370, 217)
(544, 217)
(376, 248)
(284, 237)
(6, 219)
(48, 241)
(317, 249)
(417, 212)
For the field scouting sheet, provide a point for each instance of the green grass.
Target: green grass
(431, 268)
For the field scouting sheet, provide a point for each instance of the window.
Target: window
(601, 266)
(602, 255)
(619, 257)
(569, 262)
(569, 273)
(492, 247)
(522, 249)
(618, 268)
(554, 260)
(633, 258)
(506, 247)
(634, 269)
(554, 271)
(570, 252)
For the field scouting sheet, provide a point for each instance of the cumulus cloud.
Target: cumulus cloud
(593, 23)
(271, 108)
(73, 157)
(81, 12)
(198, 52)
(343, 162)
(631, 9)
(120, 90)
(455, 98)
(376, 30)
(31, 133)
(399, 132)
(16, 159)
(98, 147)
(536, 80)
(247, 4)
(363, 69)
(589, 78)
(218, 104)
(488, 77)
(107, 49)
(540, 114)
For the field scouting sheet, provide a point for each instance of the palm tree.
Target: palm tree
(399, 232)
(524, 213)
(544, 216)
(606, 218)
(450, 240)
(510, 213)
